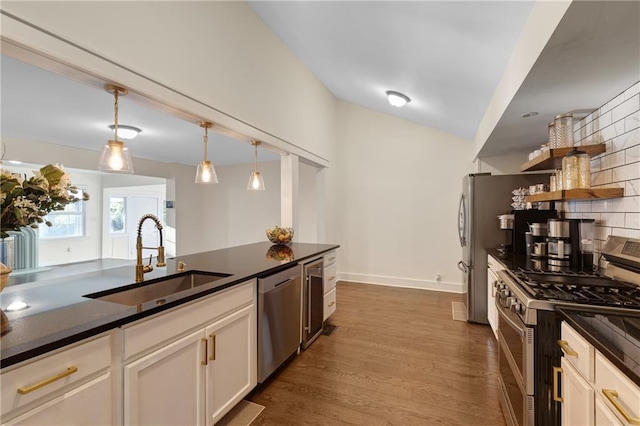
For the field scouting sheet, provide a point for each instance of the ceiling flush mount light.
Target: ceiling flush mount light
(397, 99)
(206, 173)
(125, 132)
(256, 183)
(529, 114)
(115, 156)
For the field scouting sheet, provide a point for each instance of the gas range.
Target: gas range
(524, 291)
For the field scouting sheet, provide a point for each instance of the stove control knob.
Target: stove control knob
(504, 293)
(510, 302)
(516, 307)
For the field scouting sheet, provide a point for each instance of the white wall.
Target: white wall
(501, 164)
(617, 124)
(398, 189)
(232, 215)
(309, 204)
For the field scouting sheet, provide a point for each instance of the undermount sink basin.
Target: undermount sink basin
(157, 290)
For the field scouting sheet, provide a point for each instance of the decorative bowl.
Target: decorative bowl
(280, 235)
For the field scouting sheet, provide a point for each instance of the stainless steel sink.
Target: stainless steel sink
(157, 290)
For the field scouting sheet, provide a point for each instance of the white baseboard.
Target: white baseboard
(447, 287)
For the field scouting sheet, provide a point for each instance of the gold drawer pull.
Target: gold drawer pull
(212, 357)
(564, 345)
(331, 259)
(332, 303)
(612, 396)
(27, 389)
(332, 278)
(556, 397)
(204, 352)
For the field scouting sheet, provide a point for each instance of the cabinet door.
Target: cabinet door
(492, 312)
(578, 404)
(166, 387)
(232, 362)
(604, 416)
(90, 403)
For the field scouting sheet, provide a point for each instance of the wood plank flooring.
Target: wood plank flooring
(396, 358)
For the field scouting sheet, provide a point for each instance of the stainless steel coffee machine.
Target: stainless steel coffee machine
(570, 244)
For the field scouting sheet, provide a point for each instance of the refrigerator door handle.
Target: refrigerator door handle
(462, 222)
(463, 267)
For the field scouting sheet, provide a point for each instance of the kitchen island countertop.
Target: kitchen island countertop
(62, 315)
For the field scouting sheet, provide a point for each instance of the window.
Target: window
(117, 212)
(65, 223)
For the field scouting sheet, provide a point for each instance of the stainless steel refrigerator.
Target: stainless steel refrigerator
(484, 198)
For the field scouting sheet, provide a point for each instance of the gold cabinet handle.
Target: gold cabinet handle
(332, 259)
(212, 357)
(332, 303)
(556, 397)
(27, 389)
(332, 278)
(564, 345)
(612, 396)
(204, 352)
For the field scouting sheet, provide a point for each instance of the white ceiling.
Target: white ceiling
(447, 56)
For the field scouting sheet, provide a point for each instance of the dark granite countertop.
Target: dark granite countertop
(615, 333)
(61, 315)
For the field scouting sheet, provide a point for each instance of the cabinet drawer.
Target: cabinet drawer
(55, 372)
(330, 278)
(330, 258)
(329, 304)
(493, 264)
(577, 351)
(151, 333)
(616, 388)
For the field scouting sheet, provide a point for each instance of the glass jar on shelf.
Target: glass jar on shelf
(552, 136)
(576, 170)
(564, 130)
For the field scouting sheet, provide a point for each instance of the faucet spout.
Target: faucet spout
(140, 268)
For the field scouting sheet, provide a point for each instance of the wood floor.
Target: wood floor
(396, 358)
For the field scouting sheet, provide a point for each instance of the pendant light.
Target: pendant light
(206, 173)
(115, 156)
(256, 183)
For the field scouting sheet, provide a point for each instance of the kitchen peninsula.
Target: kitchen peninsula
(117, 341)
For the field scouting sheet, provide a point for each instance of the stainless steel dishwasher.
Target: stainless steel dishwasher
(279, 319)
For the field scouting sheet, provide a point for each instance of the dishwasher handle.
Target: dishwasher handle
(284, 282)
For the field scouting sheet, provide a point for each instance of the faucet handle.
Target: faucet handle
(148, 268)
(181, 266)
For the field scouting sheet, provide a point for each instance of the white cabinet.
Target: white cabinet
(577, 395)
(493, 266)
(199, 376)
(330, 278)
(72, 386)
(594, 391)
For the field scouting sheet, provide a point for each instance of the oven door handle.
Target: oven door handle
(503, 313)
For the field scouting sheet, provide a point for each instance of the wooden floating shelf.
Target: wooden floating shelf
(575, 194)
(552, 159)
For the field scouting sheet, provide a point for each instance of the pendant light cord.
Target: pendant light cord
(115, 111)
(255, 163)
(205, 138)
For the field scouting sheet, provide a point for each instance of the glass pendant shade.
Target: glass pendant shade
(115, 157)
(256, 183)
(206, 173)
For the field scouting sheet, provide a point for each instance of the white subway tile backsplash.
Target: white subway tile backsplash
(626, 204)
(632, 220)
(596, 165)
(570, 215)
(581, 207)
(615, 102)
(612, 160)
(632, 187)
(626, 140)
(602, 206)
(627, 172)
(601, 232)
(626, 108)
(632, 122)
(624, 232)
(632, 155)
(633, 90)
(603, 120)
(602, 177)
(594, 216)
(612, 219)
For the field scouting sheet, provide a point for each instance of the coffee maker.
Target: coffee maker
(570, 244)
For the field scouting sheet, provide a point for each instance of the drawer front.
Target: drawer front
(54, 372)
(577, 351)
(165, 327)
(616, 390)
(493, 264)
(330, 258)
(330, 278)
(329, 304)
